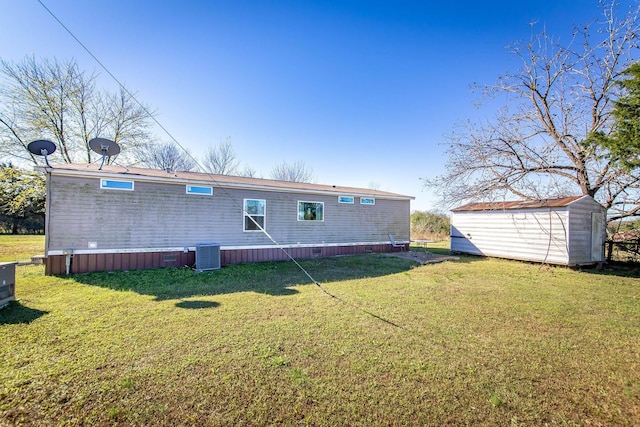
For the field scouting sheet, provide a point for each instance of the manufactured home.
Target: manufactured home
(566, 231)
(121, 218)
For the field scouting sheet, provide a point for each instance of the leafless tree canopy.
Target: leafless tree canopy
(48, 99)
(165, 156)
(248, 171)
(537, 145)
(374, 185)
(294, 172)
(222, 160)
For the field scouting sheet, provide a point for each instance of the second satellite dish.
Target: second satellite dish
(104, 146)
(42, 147)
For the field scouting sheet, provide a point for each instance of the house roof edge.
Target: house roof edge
(222, 181)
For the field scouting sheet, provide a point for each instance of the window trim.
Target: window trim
(309, 220)
(245, 214)
(365, 201)
(189, 188)
(346, 199)
(104, 184)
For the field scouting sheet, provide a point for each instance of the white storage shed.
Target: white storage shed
(566, 231)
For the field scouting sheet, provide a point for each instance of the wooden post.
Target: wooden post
(610, 250)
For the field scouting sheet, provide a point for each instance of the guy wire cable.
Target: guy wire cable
(315, 282)
(211, 176)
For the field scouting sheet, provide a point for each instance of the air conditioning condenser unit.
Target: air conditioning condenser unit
(207, 256)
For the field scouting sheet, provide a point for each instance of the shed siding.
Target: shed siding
(158, 215)
(534, 235)
(580, 231)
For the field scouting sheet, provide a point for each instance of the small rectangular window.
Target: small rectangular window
(116, 184)
(310, 211)
(345, 199)
(254, 214)
(367, 201)
(196, 189)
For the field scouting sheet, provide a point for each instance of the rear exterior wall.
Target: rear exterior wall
(81, 216)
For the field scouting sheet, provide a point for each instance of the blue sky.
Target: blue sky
(361, 91)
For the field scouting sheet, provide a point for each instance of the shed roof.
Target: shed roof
(518, 204)
(226, 181)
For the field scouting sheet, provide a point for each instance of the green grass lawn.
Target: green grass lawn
(20, 247)
(473, 342)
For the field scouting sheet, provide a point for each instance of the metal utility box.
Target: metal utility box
(7, 282)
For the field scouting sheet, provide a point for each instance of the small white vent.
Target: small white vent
(207, 256)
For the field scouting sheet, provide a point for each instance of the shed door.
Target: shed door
(597, 237)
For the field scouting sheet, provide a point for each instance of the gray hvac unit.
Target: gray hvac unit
(207, 256)
(7, 282)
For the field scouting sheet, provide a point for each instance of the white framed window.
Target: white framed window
(346, 199)
(367, 201)
(310, 211)
(254, 214)
(116, 184)
(199, 189)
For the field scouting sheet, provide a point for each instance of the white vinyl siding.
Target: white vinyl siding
(558, 235)
(133, 219)
(519, 235)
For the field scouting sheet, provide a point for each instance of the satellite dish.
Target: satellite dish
(42, 147)
(106, 147)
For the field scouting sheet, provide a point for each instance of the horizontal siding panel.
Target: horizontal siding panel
(580, 232)
(532, 253)
(162, 215)
(525, 235)
(560, 235)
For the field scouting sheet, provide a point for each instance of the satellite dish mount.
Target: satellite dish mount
(42, 147)
(105, 147)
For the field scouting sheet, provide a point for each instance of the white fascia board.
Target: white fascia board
(309, 191)
(133, 177)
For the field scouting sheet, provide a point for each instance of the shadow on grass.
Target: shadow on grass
(616, 268)
(15, 313)
(271, 278)
(197, 304)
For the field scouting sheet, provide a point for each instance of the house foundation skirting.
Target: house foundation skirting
(141, 260)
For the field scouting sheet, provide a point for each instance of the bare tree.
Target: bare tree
(166, 156)
(374, 185)
(248, 171)
(48, 99)
(221, 160)
(294, 172)
(538, 145)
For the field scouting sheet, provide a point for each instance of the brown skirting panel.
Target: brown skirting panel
(83, 263)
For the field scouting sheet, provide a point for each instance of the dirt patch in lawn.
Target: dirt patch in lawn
(423, 257)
